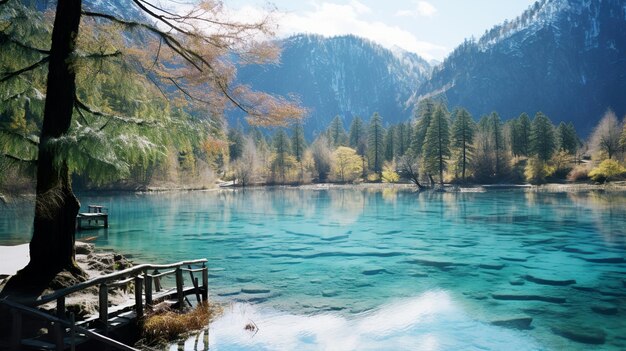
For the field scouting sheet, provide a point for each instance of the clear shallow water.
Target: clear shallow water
(351, 269)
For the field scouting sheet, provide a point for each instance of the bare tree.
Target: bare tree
(606, 135)
(409, 168)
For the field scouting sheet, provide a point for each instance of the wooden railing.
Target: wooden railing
(143, 290)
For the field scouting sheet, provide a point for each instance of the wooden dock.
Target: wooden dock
(96, 213)
(64, 332)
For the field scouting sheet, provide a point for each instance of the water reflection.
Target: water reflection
(432, 321)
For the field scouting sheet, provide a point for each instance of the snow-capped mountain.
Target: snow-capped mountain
(345, 75)
(566, 58)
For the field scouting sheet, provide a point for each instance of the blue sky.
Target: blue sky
(431, 28)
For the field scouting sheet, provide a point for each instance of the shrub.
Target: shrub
(607, 170)
(389, 173)
(578, 173)
(167, 325)
(536, 171)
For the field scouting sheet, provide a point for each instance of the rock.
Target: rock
(229, 292)
(605, 309)
(584, 288)
(605, 260)
(515, 297)
(437, 264)
(513, 259)
(373, 271)
(83, 248)
(583, 335)
(578, 251)
(552, 282)
(496, 267)
(517, 282)
(244, 279)
(522, 323)
(329, 293)
(255, 290)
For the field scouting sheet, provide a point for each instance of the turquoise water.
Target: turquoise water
(383, 269)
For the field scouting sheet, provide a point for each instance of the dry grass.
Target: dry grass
(168, 325)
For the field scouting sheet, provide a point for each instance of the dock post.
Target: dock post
(16, 329)
(179, 288)
(61, 307)
(103, 306)
(138, 297)
(148, 286)
(205, 282)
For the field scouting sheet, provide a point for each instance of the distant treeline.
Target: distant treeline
(436, 146)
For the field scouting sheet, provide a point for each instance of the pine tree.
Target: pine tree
(358, 140)
(235, 143)
(463, 137)
(542, 138)
(401, 146)
(389, 141)
(337, 133)
(375, 144)
(522, 131)
(497, 138)
(436, 148)
(283, 151)
(567, 138)
(298, 143)
(424, 114)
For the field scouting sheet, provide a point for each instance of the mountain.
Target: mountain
(344, 75)
(566, 58)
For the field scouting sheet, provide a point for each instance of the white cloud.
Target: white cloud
(331, 19)
(422, 9)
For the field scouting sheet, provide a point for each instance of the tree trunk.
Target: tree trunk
(52, 245)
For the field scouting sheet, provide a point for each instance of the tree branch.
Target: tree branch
(136, 121)
(101, 55)
(19, 159)
(4, 37)
(20, 136)
(25, 69)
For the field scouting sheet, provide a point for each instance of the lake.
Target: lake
(345, 269)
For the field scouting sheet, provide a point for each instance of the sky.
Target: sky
(430, 28)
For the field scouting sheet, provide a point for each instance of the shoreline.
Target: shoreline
(619, 186)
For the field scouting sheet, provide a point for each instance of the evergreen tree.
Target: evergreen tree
(336, 132)
(389, 141)
(521, 131)
(375, 146)
(400, 140)
(463, 137)
(497, 139)
(567, 138)
(424, 114)
(358, 138)
(298, 143)
(542, 138)
(282, 150)
(436, 148)
(235, 143)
